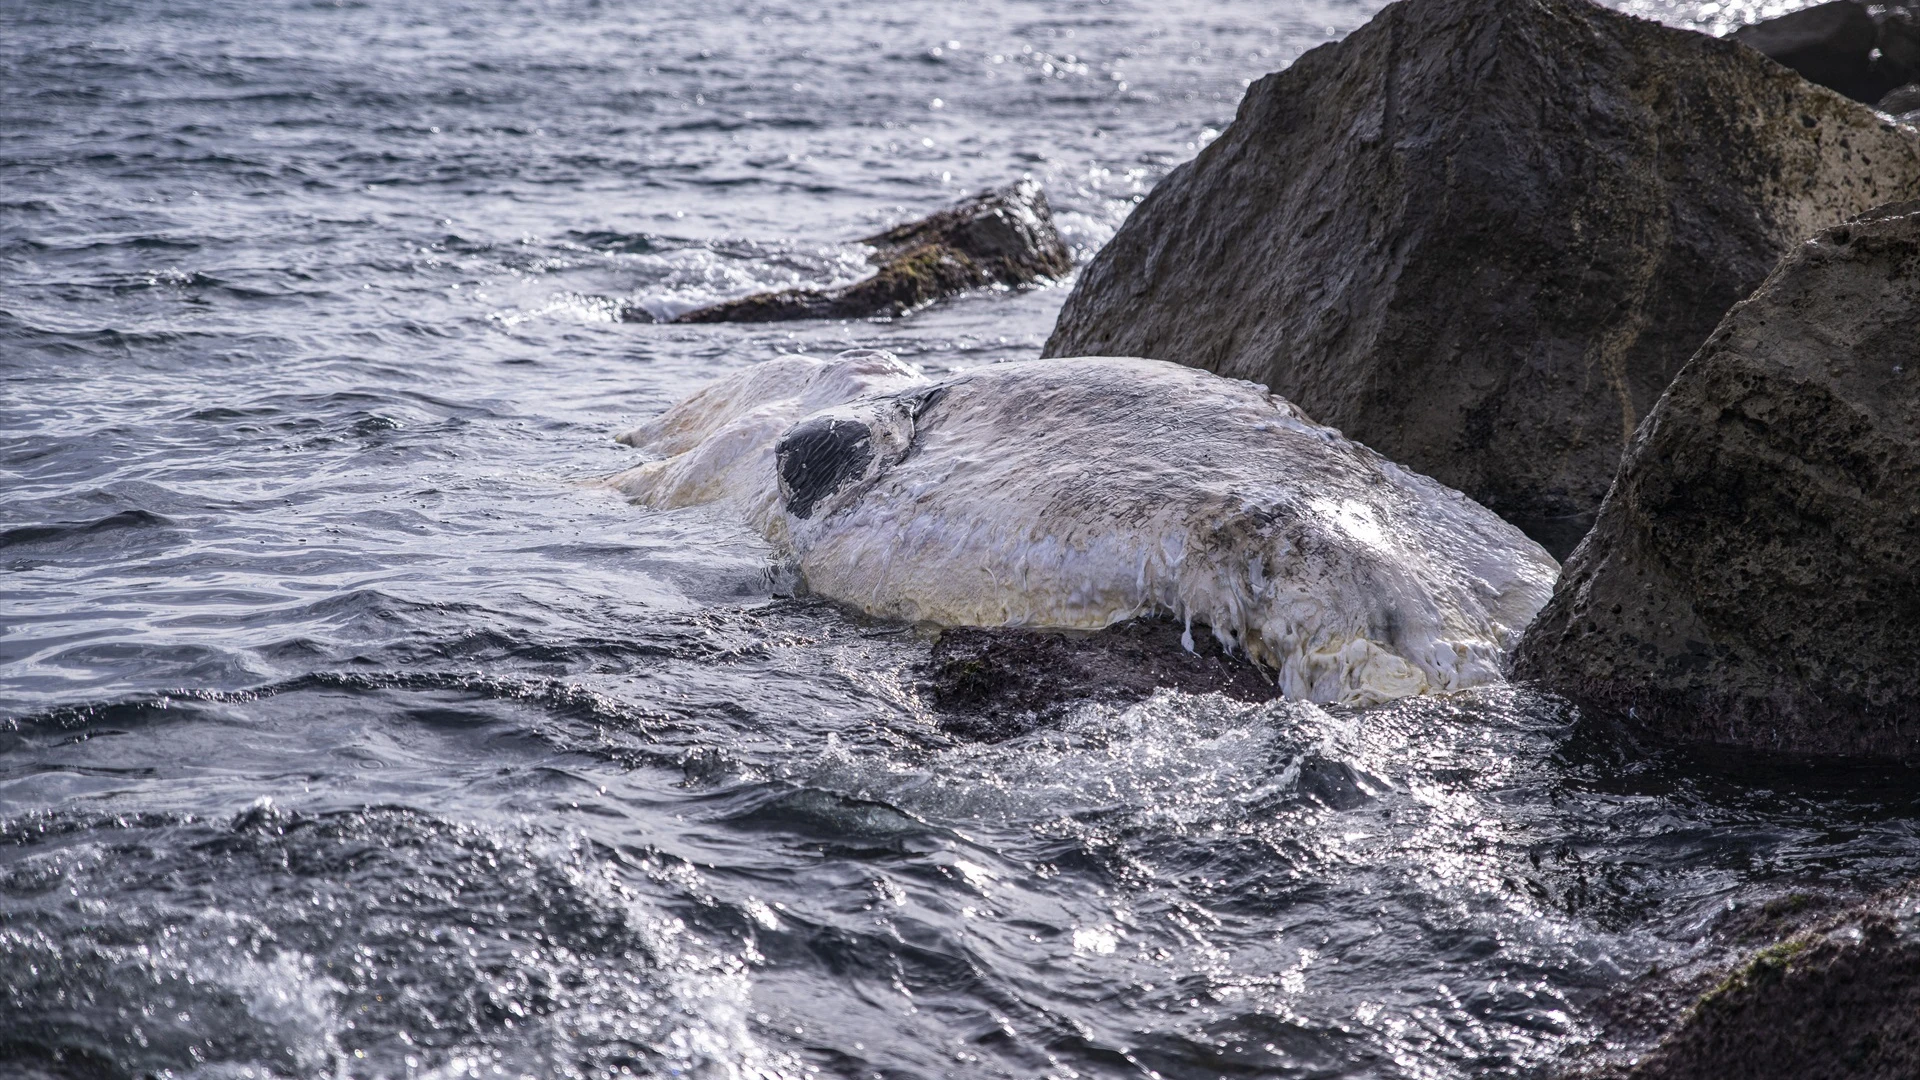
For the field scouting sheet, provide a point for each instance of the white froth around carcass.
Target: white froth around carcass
(1077, 493)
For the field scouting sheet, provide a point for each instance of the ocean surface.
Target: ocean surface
(348, 731)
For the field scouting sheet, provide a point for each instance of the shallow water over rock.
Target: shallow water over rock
(347, 730)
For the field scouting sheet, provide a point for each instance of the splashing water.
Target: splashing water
(310, 369)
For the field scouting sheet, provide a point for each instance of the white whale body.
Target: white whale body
(1077, 493)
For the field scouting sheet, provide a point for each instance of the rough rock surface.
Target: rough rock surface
(1840, 1001)
(1480, 236)
(1633, 1019)
(1752, 580)
(1832, 44)
(995, 684)
(1003, 237)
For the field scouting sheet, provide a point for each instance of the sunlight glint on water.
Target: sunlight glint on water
(346, 732)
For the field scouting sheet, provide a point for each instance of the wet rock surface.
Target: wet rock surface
(1831, 44)
(1839, 1000)
(1751, 581)
(1481, 236)
(996, 684)
(1633, 1020)
(1901, 101)
(1843, 45)
(1002, 237)
(1899, 59)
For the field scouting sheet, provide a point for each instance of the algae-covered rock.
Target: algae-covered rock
(1003, 237)
(1840, 1001)
(1752, 579)
(1480, 236)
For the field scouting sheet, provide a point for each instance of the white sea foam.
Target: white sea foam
(1077, 493)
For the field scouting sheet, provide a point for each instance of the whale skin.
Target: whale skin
(1076, 493)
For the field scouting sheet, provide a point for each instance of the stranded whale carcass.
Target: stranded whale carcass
(1077, 493)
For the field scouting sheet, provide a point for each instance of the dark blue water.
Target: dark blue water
(346, 732)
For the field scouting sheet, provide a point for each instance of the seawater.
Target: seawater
(348, 731)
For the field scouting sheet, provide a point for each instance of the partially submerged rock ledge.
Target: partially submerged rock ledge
(996, 684)
(1003, 237)
(1839, 1000)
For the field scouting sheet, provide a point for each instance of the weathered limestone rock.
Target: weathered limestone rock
(1752, 579)
(1003, 237)
(1480, 236)
(1831, 44)
(1840, 1001)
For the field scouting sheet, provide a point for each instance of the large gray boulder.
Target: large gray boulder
(1754, 576)
(1480, 236)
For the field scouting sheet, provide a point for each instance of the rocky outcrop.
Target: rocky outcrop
(1480, 236)
(1752, 580)
(1840, 1001)
(1633, 1018)
(1004, 237)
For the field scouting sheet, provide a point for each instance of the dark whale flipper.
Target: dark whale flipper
(819, 457)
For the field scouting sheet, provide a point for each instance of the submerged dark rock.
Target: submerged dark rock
(995, 684)
(1843, 45)
(1840, 1001)
(1899, 59)
(1752, 580)
(1831, 44)
(1903, 100)
(1004, 237)
(1633, 1019)
(1480, 236)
